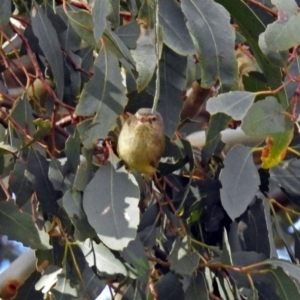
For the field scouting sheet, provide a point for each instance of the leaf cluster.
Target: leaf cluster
(209, 224)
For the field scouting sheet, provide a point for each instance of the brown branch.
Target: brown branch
(40, 76)
(263, 7)
(75, 66)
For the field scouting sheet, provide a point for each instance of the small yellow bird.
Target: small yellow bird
(141, 141)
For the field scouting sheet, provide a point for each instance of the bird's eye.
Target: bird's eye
(153, 119)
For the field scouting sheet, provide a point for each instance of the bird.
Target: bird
(141, 141)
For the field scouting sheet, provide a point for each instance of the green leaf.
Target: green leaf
(145, 57)
(169, 287)
(294, 71)
(84, 171)
(69, 39)
(100, 10)
(277, 58)
(255, 228)
(102, 97)
(251, 27)
(59, 180)
(37, 174)
(19, 184)
(72, 202)
(114, 16)
(72, 150)
(5, 12)
(234, 104)
(19, 226)
(217, 123)
(283, 33)
(21, 113)
(276, 147)
(266, 117)
(182, 259)
(111, 198)
(134, 254)
(175, 33)
(198, 289)
(291, 269)
(114, 44)
(82, 23)
(100, 256)
(172, 83)
(43, 127)
(49, 43)
(214, 41)
(285, 286)
(129, 34)
(240, 181)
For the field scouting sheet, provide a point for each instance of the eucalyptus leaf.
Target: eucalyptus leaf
(239, 180)
(114, 201)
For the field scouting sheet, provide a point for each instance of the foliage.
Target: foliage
(209, 225)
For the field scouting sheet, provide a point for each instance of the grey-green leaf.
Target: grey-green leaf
(82, 23)
(209, 24)
(182, 259)
(103, 258)
(175, 33)
(283, 33)
(49, 43)
(19, 226)
(265, 117)
(103, 97)
(100, 10)
(234, 104)
(240, 180)
(110, 201)
(145, 57)
(134, 254)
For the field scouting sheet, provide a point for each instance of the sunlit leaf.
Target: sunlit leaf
(234, 104)
(112, 198)
(282, 34)
(183, 260)
(102, 258)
